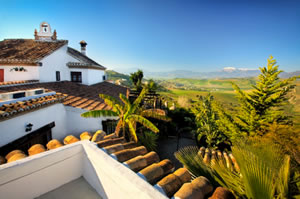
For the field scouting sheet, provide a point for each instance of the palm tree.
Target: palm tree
(129, 114)
(137, 78)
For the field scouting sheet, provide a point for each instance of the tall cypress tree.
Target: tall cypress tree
(264, 105)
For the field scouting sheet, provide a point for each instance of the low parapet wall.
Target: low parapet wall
(41, 173)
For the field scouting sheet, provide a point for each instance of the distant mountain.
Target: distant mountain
(289, 74)
(172, 74)
(227, 72)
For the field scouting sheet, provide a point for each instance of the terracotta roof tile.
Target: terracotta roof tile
(92, 106)
(85, 104)
(79, 102)
(71, 101)
(13, 83)
(101, 106)
(69, 97)
(78, 95)
(127, 154)
(13, 109)
(27, 51)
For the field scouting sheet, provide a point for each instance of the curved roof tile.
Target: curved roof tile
(27, 51)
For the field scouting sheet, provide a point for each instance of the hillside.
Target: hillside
(220, 88)
(113, 75)
(186, 91)
(206, 84)
(118, 77)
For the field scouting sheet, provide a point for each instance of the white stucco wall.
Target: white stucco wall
(14, 128)
(84, 74)
(95, 76)
(77, 124)
(35, 175)
(56, 61)
(114, 180)
(67, 122)
(32, 73)
(89, 76)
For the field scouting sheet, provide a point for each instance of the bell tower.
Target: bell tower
(45, 33)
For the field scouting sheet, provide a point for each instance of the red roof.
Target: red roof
(78, 95)
(27, 51)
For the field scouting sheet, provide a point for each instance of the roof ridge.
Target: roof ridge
(81, 57)
(14, 39)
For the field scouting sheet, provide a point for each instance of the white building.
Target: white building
(30, 70)
(47, 59)
(45, 87)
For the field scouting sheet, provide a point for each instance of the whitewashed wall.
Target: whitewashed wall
(84, 74)
(67, 121)
(89, 76)
(36, 175)
(32, 73)
(114, 179)
(76, 124)
(14, 128)
(56, 61)
(95, 76)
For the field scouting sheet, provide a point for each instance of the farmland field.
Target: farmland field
(221, 89)
(223, 92)
(207, 84)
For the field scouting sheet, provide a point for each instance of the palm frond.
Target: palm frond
(257, 174)
(143, 121)
(125, 101)
(263, 172)
(156, 111)
(156, 114)
(99, 113)
(284, 178)
(141, 96)
(110, 101)
(138, 100)
(189, 157)
(118, 127)
(119, 109)
(132, 131)
(228, 177)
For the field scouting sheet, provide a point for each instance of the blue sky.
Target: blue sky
(162, 35)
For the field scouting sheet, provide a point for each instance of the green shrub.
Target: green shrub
(149, 140)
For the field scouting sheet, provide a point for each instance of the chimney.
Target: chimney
(83, 47)
(36, 37)
(54, 36)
